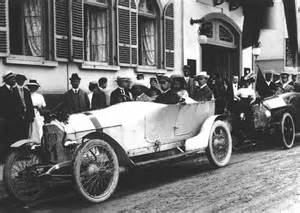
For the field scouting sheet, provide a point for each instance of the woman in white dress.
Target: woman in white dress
(36, 130)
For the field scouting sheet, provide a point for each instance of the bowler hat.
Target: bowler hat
(21, 77)
(285, 73)
(8, 75)
(164, 78)
(33, 82)
(121, 78)
(75, 77)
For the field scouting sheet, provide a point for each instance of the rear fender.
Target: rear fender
(123, 158)
(200, 141)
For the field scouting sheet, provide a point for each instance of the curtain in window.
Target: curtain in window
(33, 27)
(148, 42)
(97, 35)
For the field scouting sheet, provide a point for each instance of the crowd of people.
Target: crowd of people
(20, 109)
(21, 112)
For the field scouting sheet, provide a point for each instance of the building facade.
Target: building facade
(276, 52)
(50, 40)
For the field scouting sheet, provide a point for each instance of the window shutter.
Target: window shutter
(4, 40)
(169, 35)
(76, 30)
(127, 32)
(61, 29)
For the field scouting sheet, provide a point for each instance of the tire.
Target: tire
(93, 160)
(219, 151)
(22, 183)
(287, 131)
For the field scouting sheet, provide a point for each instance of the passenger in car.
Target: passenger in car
(179, 86)
(168, 95)
(122, 93)
(203, 92)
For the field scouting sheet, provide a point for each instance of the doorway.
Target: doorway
(220, 60)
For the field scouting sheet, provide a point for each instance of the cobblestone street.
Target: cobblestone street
(262, 179)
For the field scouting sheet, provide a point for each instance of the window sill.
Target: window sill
(148, 69)
(30, 61)
(89, 65)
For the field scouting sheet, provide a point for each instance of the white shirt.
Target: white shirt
(268, 82)
(90, 95)
(204, 85)
(245, 93)
(235, 88)
(284, 85)
(8, 87)
(38, 100)
(75, 90)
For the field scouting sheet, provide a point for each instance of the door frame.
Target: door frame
(227, 21)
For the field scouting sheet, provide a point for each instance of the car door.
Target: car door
(160, 124)
(191, 117)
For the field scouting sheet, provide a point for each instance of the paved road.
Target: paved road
(263, 179)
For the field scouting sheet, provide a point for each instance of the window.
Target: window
(96, 39)
(27, 22)
(207, 29)
(218, 33)
(148, 35)
(225, 34)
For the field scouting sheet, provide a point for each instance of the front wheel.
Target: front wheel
(20, 176)
(219, 145)
(96, 171)
(287, 130)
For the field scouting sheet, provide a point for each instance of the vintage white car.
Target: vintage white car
(93, 147)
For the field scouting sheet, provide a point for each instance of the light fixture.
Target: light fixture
(202, 39)
(256, 50)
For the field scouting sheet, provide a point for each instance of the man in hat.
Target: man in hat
(92, 86)
(24, 108)
(203, 92)
(75, 100)
(268, 78)
(122, 93)
(7, 113)
(285, 83)
(99, 96)
(190, 83)
(294, 82)
(167, 96)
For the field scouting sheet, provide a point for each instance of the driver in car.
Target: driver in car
(168, 96)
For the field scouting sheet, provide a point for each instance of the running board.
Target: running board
(178, 157)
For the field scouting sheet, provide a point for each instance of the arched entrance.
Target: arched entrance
(221, 54)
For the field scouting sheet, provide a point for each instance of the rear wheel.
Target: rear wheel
(96, 171)
(287, 130)
(20, 176)
(219, 145)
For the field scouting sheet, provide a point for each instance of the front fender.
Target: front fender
(200, 141)
(121, 153)
(23, 143)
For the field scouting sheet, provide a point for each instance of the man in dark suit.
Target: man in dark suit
(75, 100)
(122, 93)
(99, 96)
(7, 113)
(24, 108)
(168, 96)
(294, 82)
(203, 92)
(190, 83)
(271, 85)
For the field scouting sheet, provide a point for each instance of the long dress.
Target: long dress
(36, 130)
